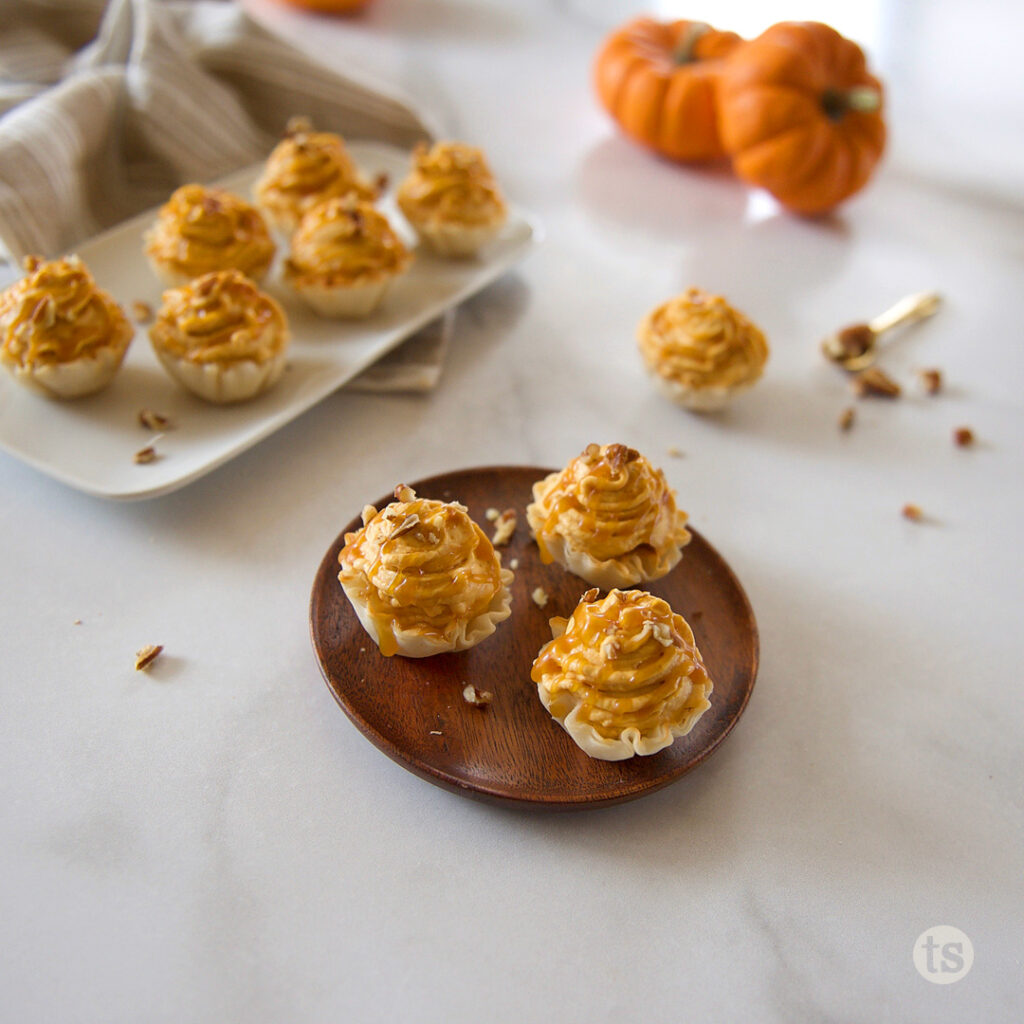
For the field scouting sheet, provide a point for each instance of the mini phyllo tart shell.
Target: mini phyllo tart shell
(451, 199)
(221, 337)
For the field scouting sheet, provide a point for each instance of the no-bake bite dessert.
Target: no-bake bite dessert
(423, 578)
(60, 334)
(623, 675)
(609, 517)
(221, 337)
(451, 198)
(344, 257)
(304, 169)
(200, 230)
(700, 351)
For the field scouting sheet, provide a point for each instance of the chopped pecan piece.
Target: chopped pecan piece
(142, 312)
(875, 381)
(410, 522)
(146, 455)
(474, 695)
(931, 381)
(504, 527)
(154, 420)
(146, 656)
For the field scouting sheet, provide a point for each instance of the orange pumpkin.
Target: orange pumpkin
(801, 115)
(330, 6)
(656, 79)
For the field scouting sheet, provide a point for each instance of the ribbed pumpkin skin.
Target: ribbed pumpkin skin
(664, 104)
(774, 122)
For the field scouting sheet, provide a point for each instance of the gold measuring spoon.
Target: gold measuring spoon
(856, 347)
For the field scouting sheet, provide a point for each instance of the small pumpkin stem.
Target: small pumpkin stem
(685, 50)
(861, 98)
(864, 99)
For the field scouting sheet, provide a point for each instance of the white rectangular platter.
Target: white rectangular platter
(89, 443)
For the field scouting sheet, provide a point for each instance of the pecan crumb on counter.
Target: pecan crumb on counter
(963, 437)
(913, 513)
(846, 418)
(146, 656)
(674, 452)
(874, 381)
(931, 381)
(474, 695)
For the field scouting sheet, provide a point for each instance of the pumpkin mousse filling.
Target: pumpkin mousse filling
(623, 675)
(609, 517)
(701, 351)
(422, 577)
(306, 168)
(200, 230)
(60, 334)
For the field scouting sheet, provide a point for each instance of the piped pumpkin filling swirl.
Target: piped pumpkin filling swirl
(608, 502)
(306, 168)
(451, 182)
(420, 565)
(56, 314)
(200, 230)
(220, 318)
(627, 662)
(344, 240)
(700, 341)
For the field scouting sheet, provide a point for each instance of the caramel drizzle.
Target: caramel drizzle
(221, 317)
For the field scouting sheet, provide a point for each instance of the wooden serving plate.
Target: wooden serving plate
(512, 752)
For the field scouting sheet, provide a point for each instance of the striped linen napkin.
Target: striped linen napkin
(106, 107)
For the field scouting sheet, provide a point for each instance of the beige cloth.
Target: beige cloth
(105, 108)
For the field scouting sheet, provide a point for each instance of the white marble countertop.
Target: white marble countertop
(213, 840)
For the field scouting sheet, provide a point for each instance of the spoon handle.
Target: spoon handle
(913, 307)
